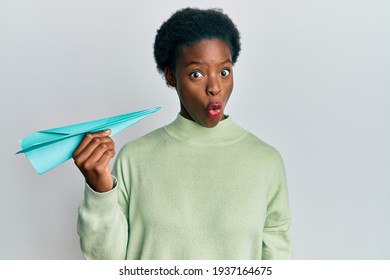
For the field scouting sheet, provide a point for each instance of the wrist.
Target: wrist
(102, 187)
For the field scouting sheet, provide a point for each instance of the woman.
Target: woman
(198, 188)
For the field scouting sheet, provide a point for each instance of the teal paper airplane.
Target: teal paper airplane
(49, 148)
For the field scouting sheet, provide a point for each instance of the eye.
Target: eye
(196, 74)
(225, 72)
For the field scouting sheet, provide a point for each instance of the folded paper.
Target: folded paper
(49, 148)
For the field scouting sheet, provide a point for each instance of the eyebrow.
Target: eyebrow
(204, 63)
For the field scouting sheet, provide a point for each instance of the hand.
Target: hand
(93, 157)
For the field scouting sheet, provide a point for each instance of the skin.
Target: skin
(93, 157)
(203, 75)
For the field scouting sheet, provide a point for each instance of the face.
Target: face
(203, 79)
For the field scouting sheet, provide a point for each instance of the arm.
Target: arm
(102, 224)
(277, 233)
(102, 221)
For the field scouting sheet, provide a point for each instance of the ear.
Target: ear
(170, 77)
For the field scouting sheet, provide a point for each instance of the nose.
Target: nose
(213, 86)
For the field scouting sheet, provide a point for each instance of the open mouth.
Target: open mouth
(214, 110)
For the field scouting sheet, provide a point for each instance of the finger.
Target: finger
(99, 151)
(94, 150)
(99, 167)
(87, 139)
(104, 162)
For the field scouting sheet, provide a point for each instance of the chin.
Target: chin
(210, 122)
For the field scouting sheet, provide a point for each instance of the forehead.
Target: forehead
(208, 51)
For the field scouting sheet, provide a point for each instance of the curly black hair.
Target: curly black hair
(189, 26)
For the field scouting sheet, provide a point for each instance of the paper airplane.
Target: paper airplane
(49, 148)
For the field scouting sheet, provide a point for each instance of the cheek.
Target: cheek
(229, 87)
(189, 89)
(187, 94)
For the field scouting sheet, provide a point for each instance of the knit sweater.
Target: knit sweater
(189, 192)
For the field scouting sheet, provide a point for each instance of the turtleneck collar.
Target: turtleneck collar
(225, 132)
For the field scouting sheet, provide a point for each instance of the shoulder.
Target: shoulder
(152, 139)
(260, 149)
(142, 149)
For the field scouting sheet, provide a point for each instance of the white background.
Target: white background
(313, 80)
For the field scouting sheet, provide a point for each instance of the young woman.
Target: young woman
(200, 187)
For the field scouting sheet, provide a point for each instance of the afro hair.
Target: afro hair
(189, 26)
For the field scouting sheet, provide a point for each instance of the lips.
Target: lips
(214, 110)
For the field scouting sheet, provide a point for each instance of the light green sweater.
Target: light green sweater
(189, 192)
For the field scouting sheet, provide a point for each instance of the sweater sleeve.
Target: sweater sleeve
(102, 224)
(277, 233)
